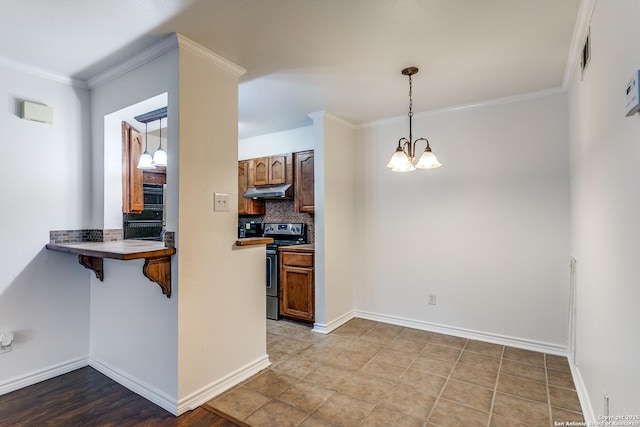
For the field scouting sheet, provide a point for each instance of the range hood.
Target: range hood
(271, 192)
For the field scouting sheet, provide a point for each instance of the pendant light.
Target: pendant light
(403, 159)
(160, 156)
(146, 161)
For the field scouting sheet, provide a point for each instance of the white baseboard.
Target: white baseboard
(585, 403)
(212, 390)
(334, 324)
(150, 393)
(466, 333)
(42, 375)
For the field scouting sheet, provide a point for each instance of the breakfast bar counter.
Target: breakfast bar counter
(157, 266)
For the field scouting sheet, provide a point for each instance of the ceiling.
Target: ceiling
(303, 56)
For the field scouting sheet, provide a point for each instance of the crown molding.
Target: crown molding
(154, 51)
(38, 72)
(208, 55)
(472, 106)
(325, 115)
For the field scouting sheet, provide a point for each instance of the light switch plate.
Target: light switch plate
(220, 202)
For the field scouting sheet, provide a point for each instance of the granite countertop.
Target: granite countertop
(121, 249)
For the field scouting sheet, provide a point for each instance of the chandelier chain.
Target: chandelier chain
(410, 98)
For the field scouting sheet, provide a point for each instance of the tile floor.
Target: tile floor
(367, 373)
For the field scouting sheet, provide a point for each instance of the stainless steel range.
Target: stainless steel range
(283, 234)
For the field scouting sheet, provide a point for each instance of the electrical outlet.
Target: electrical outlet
(432, 299)
(220, 202)
(6, 342)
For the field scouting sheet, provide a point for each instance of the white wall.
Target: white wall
(133, 325)
(222, 324)
(334, 219)
(44, 169)
(288, 141)
(605, 203)
(488, 232)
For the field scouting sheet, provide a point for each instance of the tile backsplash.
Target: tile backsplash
(283, 211)
(86, 235)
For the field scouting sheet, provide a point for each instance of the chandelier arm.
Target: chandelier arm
(404, 142)
(422, 139)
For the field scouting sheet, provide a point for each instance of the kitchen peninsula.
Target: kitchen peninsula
(157, 265)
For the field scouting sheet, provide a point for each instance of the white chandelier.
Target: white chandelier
(403, 159)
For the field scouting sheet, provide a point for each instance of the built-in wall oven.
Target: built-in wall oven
(283, 234)
(149, 224)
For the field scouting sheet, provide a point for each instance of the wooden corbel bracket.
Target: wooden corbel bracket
(94, 264)
(158, 270)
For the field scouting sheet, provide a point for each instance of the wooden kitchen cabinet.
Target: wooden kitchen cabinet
(132, 177)
(304, 182)
(272, 170)
(260, 171)
(277, 170)
(247, 206)
(155, 176)
(297, 284)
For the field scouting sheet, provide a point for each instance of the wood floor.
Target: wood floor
(85, 397)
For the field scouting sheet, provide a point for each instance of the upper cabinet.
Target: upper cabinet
(260, 171)
(278, 169)
(272, 170)
(291, 168)
(155, 176)
(304, 182)
(247, 206)
(132, 177)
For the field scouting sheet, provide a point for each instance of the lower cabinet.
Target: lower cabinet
(297, 286)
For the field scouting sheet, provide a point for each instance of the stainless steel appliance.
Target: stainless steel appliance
(147, 225)
(283, 234)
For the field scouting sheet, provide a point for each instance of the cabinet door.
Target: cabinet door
(243, 180)
(260, 167)
(297, 293)
(132, 177)
(304, 186)
(247, 206)
(277, 170)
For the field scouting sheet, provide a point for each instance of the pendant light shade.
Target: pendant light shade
(146, 161)
(160, 156)
(402, 160)
(428, 160)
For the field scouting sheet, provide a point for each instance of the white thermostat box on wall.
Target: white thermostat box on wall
(37, 112)
(633, 95)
